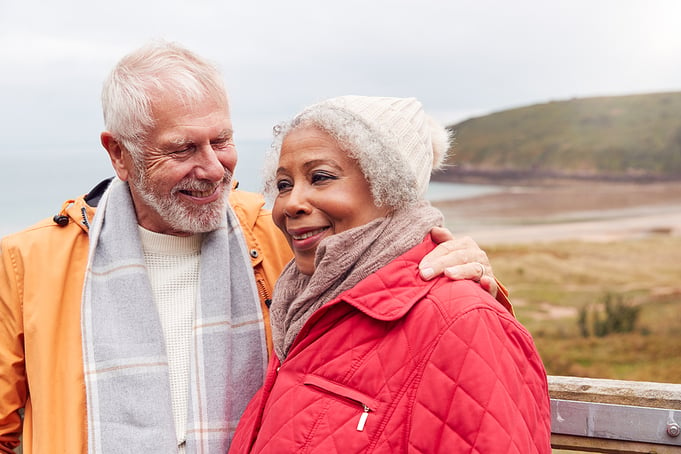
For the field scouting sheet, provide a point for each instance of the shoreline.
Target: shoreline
(588, 211)
(563, 210)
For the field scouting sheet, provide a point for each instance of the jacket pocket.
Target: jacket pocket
(365, 404)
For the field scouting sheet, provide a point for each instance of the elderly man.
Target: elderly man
(143, 327)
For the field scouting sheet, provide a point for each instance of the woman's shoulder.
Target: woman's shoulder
(455, 298)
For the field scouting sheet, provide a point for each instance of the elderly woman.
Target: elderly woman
(370, 358)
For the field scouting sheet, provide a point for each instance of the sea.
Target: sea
(36, 181)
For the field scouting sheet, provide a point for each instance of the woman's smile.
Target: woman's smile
(306, 239)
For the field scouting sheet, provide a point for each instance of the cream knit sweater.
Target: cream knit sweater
(173, 267)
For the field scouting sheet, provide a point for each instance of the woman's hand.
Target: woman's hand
(458, 258)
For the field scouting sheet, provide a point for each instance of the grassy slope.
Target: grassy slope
(550, 282)
(615, 136)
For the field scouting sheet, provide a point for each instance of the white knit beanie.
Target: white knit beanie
(396, 144)
(421, 142)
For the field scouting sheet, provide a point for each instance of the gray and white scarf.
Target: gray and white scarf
(342, 261)
(125, 362)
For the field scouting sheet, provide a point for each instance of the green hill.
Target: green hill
(635, 137)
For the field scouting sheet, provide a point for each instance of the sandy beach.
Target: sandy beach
(589, 211)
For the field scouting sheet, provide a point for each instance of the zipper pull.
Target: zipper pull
(363, 418)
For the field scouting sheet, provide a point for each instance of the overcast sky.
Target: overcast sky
(460, 58)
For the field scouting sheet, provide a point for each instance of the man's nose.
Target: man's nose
(209, 167)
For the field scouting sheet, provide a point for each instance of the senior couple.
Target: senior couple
(144, 316)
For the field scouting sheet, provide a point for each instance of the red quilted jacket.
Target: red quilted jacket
(397, 364)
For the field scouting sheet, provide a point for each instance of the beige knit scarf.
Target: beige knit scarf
(342, 261)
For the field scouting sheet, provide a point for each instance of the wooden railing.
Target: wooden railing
(615, 416)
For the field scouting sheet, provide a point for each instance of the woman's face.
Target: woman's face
(321, 192)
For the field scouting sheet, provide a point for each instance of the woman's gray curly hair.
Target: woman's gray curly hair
(392, 180)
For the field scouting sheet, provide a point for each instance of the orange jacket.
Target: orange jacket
(41, 279)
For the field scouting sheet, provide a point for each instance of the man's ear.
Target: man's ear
(117, 155)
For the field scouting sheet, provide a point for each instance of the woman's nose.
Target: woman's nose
(297, 203)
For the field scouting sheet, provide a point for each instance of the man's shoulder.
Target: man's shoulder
(45, 242)
(44, 226)
(55, 229)
(249, 207)
(246, 199)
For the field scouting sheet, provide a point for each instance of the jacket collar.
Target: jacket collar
(393, 290)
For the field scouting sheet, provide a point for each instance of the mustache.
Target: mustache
(192, 184)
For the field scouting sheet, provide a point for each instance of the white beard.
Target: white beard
(180, 215)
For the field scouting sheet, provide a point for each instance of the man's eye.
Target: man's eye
(222, 144)
(183, 149)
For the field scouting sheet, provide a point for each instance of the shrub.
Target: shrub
(614, 315)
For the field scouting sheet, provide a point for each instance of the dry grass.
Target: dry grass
(541, 249)
(551, 282)
(631, 249)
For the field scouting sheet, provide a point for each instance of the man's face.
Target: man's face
(184, 179)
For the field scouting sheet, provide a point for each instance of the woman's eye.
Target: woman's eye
(283, 185)
(319, 177)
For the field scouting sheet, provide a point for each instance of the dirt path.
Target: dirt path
(588, 211)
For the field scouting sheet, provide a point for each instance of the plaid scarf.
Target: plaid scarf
(125, 362)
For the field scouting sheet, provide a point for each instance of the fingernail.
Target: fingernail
(427, 273)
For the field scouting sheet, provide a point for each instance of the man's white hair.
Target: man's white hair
(156, 68)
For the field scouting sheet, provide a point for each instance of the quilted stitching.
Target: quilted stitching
(456, 374)
(488, 408)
